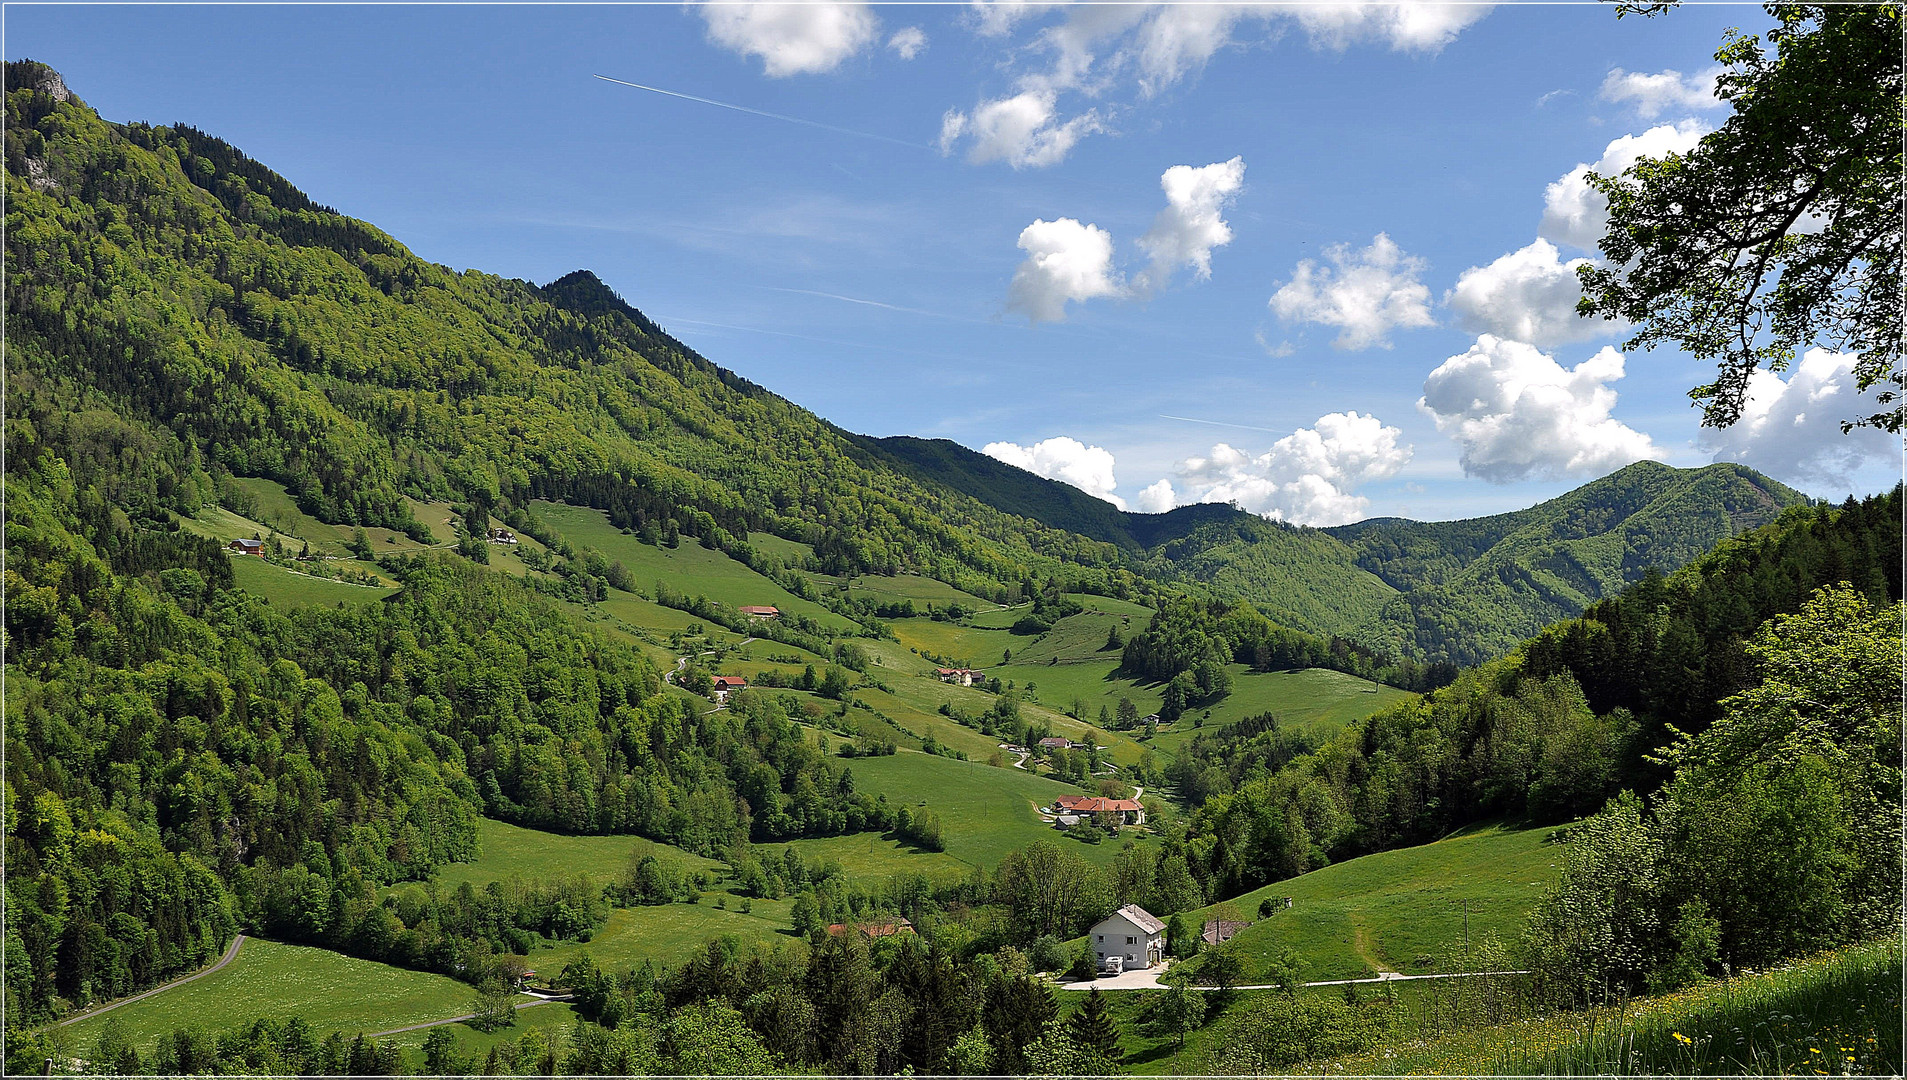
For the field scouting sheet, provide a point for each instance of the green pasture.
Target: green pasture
(289, 589)
(668, 933)
(1314, 699)
(690, 568)
(927, 693)
(790, 552)
(1400, 910)
(506, 851)
(466, 1041)
(923, 591)
(985, 812)
(972, 647)
(870, 855)
(276, 981)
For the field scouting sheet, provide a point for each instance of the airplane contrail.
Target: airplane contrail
(858, 300)
(769, 115)
(1219, 423)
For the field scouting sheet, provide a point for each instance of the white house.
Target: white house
(1132, 934)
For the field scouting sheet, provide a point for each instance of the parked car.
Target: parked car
(1112, 965)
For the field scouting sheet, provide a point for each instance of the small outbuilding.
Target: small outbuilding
(1219, 931)
(761, 611)
(248, 547)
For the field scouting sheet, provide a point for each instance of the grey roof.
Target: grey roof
(1141, 918)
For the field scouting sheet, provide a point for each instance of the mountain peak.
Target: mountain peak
(37, 76)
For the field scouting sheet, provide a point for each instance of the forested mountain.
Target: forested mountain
(161, 275)
(1472, 589)
(1462, 591)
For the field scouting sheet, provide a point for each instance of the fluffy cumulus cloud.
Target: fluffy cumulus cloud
(1065, 260)
(1517, 414)
(793, 38)
(1365, 294)
(1528, 295)
(1576, 214)
(1186, 231)
(1156, 498)
(908, 42)
(1088, 468)
(1023, 130)
(1664, 91)
(1791, 428)
(1308, 477)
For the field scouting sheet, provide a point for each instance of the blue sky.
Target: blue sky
(1004, 266)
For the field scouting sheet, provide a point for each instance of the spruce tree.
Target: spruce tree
(1092, 1027)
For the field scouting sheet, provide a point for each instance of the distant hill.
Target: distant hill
(1062, 506)
(1459, 590)
(1470, 590)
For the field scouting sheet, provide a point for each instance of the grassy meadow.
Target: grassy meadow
(289, 589)
(277, 981)
(1401, 910)
(985, 812)
(668, 933)
(506, 851)
(690, 568)
(1837, 1014)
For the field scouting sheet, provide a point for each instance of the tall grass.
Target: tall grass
(1836, 1014)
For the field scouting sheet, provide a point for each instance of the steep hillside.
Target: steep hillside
(161, 277)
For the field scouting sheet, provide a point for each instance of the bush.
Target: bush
(1048, 954)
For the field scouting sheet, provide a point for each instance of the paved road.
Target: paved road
(1148, 979)
(466, 1016)
(230, 952)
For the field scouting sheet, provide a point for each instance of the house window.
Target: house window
(1101, 937)
(1132, 941)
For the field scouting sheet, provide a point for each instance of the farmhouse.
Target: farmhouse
(960, 676)
(1107, 811)
(502, 536)
(1055, 742)
(247, 547)
(761, 611)
(720, 685)
(1133, 935)
(1219, 931)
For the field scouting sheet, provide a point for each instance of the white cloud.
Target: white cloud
(1518, 414)
(1576, 214)
(1791, 429)
(1088, 468)
(1406, 27)
(1366, 294)
(1528, 295)
(1023, 130)
(1065, 260)
(1156, 499)
(908, 42)
(1189, 227)
(1309, 477)
(1094, 48)
(793, 38)
(1655, 94)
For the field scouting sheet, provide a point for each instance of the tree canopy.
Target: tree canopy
(1782, 228)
